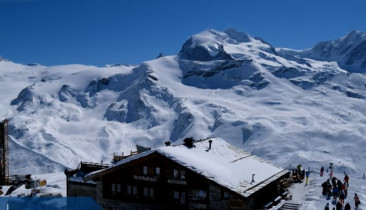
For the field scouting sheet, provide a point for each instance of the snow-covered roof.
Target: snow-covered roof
(224, 164)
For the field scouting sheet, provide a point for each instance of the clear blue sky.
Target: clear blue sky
(99, 32)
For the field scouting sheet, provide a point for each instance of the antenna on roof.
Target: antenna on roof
(210, 142)
(252, 179)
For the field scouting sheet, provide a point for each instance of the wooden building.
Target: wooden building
(209, 174)
(4, 160)
(76, 186)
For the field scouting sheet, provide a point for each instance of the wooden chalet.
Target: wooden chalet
(208, 174)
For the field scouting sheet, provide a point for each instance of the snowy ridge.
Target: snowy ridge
(348, 51)
(242, 90)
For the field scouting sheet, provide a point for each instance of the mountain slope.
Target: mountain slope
(349, 51)
(283, 107)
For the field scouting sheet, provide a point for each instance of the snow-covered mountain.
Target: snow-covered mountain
(281, 105)
(349, 51)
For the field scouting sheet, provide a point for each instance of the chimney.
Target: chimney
(188, 142)
(167, 143)
(210, 142)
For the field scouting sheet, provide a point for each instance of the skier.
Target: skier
(307, 177)
(321, 171)
(346, 179)
(326, 207)
(347, 207)
(357, 200)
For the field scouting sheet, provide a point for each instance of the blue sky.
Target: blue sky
(99, 32)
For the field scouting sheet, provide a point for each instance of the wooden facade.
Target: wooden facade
(4, 161)
(157, 182)
(76, 186)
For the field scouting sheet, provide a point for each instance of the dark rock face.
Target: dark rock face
(199, 53)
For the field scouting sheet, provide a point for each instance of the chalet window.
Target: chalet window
(129, 189)
(134, 190)
(157, 171)
(118, 188)
(146, 191)
(175, 173)
(183, 197)
(202, 193)
(182, 174)
(144, 170)
(225, 195)
(152, 193)
(176, 195)
(113, 187)
(196, 194)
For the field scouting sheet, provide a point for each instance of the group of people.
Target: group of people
(338, 189)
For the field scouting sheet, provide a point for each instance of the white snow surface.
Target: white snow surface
(281, 107)
(56, 186)
(223, 163)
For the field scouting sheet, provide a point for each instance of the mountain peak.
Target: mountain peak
(205, 46)
(237, 35)
(228, 45)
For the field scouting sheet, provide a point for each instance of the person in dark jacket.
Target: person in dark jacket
(357, 200)
(322, 171)
(339, 206)
(325, 187)
(347, 207)
(335, 194)
(339, 185)
(326, 207)
(341, 197)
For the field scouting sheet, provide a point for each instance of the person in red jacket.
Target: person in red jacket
(346, 179)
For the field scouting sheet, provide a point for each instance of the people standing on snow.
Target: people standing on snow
(346, 179)
(357, 200)
(321, 171)
(307, 177)
(326, 207)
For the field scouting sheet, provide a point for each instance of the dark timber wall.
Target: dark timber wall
(4, 162)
